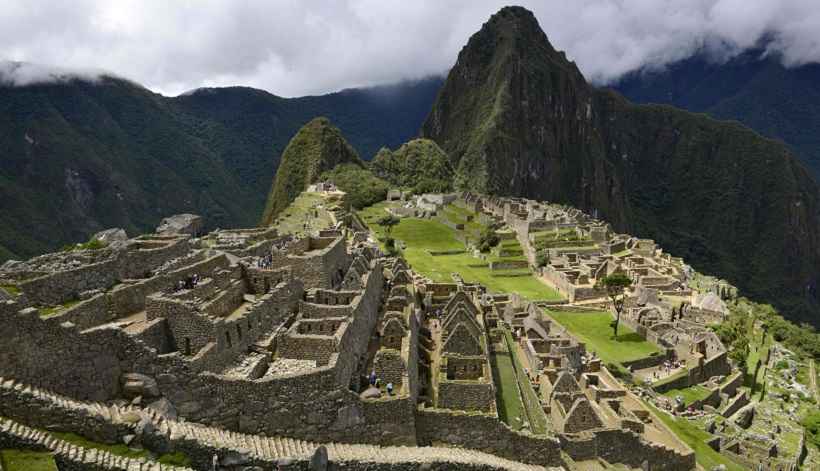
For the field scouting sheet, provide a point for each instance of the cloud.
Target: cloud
(293, 47)
(20, 74)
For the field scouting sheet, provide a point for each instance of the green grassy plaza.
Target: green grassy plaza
(418, 237)
(593, 328)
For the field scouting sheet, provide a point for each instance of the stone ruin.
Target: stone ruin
(258, 348)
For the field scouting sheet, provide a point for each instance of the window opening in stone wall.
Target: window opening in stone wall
(239, 332)
(228, 338)
(187, 345)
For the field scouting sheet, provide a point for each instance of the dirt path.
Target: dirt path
(813, 381)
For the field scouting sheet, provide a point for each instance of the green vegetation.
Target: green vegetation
(510, 407)
(144, 156)
(690, 394)
(615, 285)
(17, 460)
(91, 244)
(11, 289)
(593, 328)
(23, 460)
(419, 165)
(812, 424)
(176, 459)
(487, 240)
(361, 186)
(696, 438)
(50, 311)
(317, 148)
(537, 418)
(420, 236)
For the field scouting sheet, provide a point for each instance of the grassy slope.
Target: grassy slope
(593, 329)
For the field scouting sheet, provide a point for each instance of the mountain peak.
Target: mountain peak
(318, 147)
(516, 118)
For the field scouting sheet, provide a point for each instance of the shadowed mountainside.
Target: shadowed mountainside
(517, 118)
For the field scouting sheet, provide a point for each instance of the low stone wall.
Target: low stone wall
(622, 446)
(89, 313)
(731, 386)
(735, 404)
(509, 265)
(646, 362)
(318, 311)
(486, 433)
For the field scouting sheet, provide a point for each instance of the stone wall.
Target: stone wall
(623, 446)
(486, 433)
(321, 268)
(466, 395)
(645, 362)
(389, 366)
(59, 287)
(509, 265)
(89, 313)
(52, 354)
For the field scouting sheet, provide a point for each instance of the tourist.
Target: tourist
(373, 378)
(389, 389)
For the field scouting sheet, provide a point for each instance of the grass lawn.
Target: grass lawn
(692, 435)
(537, 418)
(510, 408)
(419, 236)
(690, 394)
(23, 460)
(593, 328)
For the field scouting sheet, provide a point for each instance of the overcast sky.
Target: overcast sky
(298, 47)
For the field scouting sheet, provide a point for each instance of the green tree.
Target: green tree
(542, 259)
(387, 222)
(615, 285)
(487, 240)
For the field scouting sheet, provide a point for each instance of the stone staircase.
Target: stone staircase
(185, 436)
(71, 456)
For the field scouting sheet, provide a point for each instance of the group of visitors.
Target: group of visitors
(377, 382)
(188, 282)
(265, 262)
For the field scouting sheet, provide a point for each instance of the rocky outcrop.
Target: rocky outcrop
(189, 224)
(517, 118)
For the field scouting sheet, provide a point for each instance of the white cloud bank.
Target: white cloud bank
(295, 47)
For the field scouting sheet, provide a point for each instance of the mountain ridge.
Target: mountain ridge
(714, 192)
(119, 140)
(753, 87)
